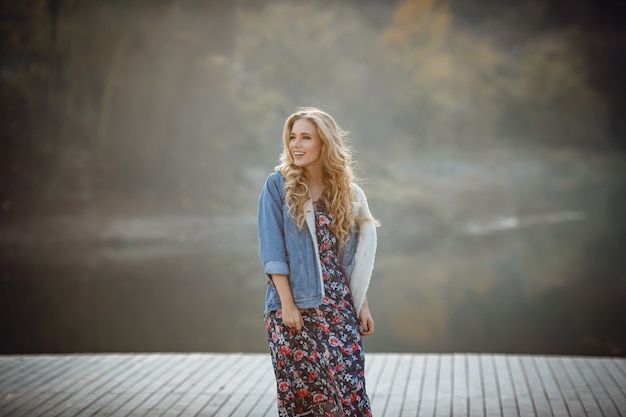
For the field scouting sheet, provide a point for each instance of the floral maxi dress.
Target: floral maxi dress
(320, 369)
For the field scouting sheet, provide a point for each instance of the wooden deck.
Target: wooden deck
(243, 385)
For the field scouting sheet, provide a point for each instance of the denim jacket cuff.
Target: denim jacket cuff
(276, 267)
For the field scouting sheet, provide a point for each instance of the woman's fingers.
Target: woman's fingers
(292, 317)
(299, 323)
(367, 327)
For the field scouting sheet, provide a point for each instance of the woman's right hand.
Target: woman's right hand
(292, 317)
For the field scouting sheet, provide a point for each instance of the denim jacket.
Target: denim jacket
(286, 249)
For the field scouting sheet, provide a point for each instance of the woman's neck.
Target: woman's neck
(315, 177)
(317, 184)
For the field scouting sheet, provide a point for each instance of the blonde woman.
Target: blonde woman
(317, 243)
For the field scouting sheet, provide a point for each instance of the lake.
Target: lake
(526, 260)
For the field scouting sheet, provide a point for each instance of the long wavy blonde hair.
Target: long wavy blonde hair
(338, 174)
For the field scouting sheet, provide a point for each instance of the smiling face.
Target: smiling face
(305, 145)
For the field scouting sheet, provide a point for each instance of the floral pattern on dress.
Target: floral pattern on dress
(320, 370)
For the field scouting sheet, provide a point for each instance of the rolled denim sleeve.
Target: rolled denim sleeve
(270, 228)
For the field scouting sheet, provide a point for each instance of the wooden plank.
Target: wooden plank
(620, 365)
(428, 395)
(198, 403)
(460, 398)
(569, 393)
(618, 373)
(185, 393)
(608, 406)
(169, 385)
(520, 385)
(138, 385)
(135, 367)
(17, 370)
(266, 405)
(167, 394)
(92, 385)
(86, 390)
(35, 401)
(81, 373)
(615, 381)
(576, 379)
(105, 404)
(266, 402)
(398, 392)
(414, 386)
(235, 384)
(13, 369)
(551, 386)
(193, 364)
(256, 387)
(475, 390)
(209, 365)
(193, 397)
(160, 384)
(38, 376)
(445, 384)
(493, 405)
(506, 389)
(380, 395)
(215, 384)
(536, 388)
(89, 398)
(374, 372)
(164, 397)
(272, 410)
(35, 395)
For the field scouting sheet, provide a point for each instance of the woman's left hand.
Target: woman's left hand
(367, 322)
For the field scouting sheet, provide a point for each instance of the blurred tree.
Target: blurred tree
(147, 98)
(548, 98)
(592, 31)
(131, 99)
(440, 77)
(292, 54)
(460, 88)
(167, 119)
(54, 9)
(26, 76)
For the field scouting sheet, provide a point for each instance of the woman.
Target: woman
(317, 243)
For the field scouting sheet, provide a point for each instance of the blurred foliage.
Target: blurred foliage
(186, 98)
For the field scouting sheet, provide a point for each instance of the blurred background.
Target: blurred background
(490, 137)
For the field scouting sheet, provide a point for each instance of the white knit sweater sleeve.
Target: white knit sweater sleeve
(365, 252)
